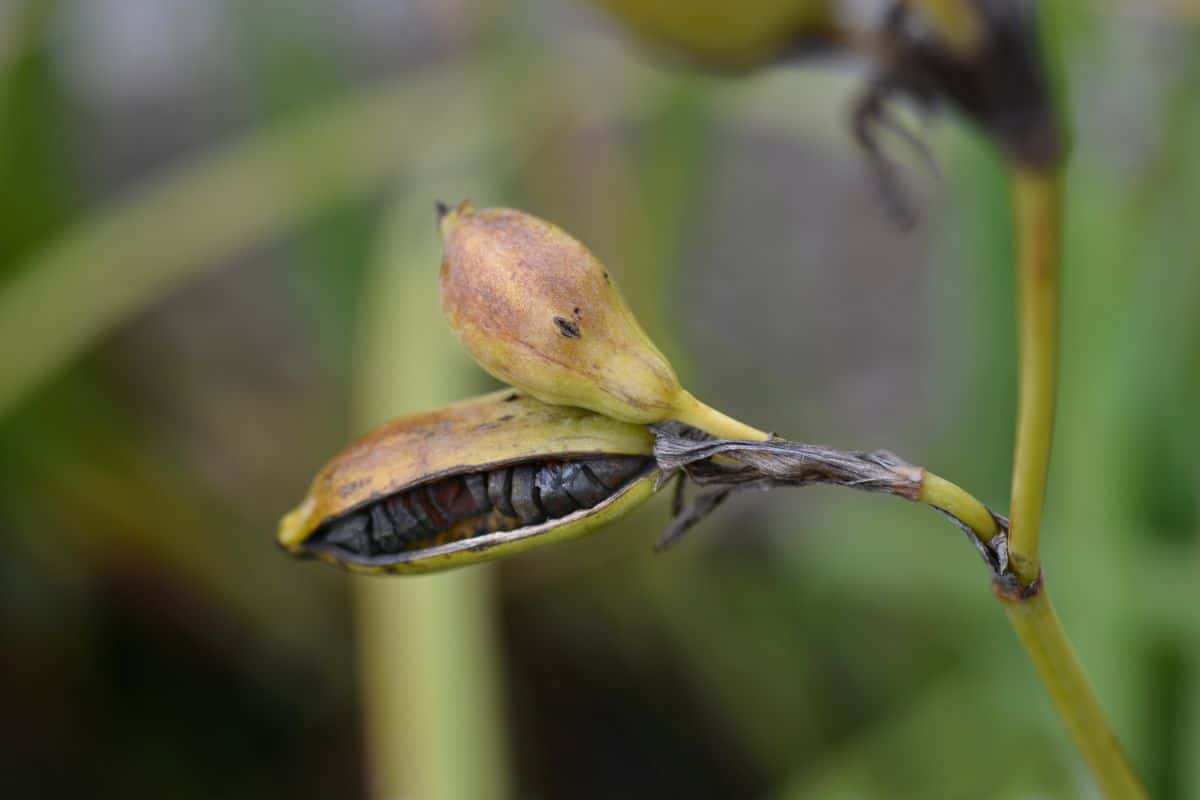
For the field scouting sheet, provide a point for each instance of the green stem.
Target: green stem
(1037, 197)
(428, 660)
(1038, 201)
(940, 493)
(1037, 625)
(1038, 213)
(710, 420)
(430, 698)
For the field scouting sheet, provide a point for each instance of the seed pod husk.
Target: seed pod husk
(537, 310)
(469, 482)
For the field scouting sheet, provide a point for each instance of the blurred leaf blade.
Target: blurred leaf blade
(126, 256)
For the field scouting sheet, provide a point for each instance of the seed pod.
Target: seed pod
(536, 309)
(729, 35)
(470, 482)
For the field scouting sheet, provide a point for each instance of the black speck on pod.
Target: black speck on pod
(567, 328)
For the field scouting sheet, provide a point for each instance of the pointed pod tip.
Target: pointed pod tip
(296, 525)
(447, 216)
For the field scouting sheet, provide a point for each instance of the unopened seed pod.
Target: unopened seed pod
(536, 309)
(469, 482)
(725, 34)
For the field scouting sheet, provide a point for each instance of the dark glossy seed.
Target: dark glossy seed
(452, 500)
(582, 485)
(477, 486)
(426, 496)
(525, 495)
(383, 530)
(418, 504)
(555, 499)
(351, 533)
(408, 527)
(616, 471)
(499, 485)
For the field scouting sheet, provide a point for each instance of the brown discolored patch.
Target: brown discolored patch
(352, 487)
(1008, 589)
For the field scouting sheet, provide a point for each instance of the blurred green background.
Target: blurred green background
(217, 260)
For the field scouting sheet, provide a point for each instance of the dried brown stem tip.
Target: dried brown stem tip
(734, 465)
(999, 83)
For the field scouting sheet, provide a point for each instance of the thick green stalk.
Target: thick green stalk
(1038, 213)
(940, 493)
(1037, 625)
(427, 651)
(1037, 198)
(1038, 203)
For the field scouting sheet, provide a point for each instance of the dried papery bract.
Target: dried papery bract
(469, 482)
(536, 309)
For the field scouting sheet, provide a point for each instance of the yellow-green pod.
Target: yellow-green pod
(727, 34)
(535, 308)
(469, 482)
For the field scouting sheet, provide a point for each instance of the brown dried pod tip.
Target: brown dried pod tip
(536, 309)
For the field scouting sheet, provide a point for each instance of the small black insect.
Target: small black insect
(476, 503)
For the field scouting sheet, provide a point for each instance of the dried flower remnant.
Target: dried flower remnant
(992, 73)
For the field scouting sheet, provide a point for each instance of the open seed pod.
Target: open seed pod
(536, 309)
(469, 482)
